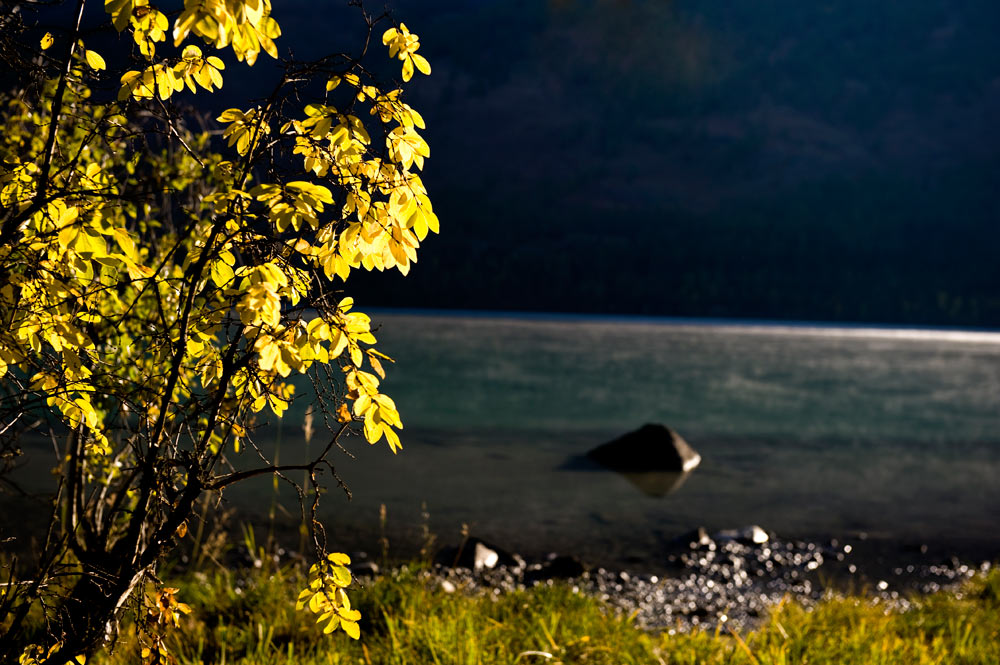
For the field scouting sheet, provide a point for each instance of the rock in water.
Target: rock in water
(485, 557)
(750, 535)
(649, 448)
(561, 567)
(476, 554)
(696, 539)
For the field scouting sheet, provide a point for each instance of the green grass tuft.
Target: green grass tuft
(249, 618)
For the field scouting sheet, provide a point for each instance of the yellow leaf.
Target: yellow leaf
(376, 365)
(194, 347)
(350, 615)
(432, 222)
(351, 628)
(47, 41)
(125, 241)
(121, 11)
(361, 404)
(343, 415)
(268, 355)
(222, 273)
(385, 403)
(278, 406)
(381, 355)
(422, 64)
(95, 60)
(373, 432)
(341, 576)
(318, 329)
(67, 236)
(339, 558)
(392, 438)
(356, 355)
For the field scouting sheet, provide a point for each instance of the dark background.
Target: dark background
(831, 160)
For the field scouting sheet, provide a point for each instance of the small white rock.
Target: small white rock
(485, 557)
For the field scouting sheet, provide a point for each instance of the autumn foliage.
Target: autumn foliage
(160, 287)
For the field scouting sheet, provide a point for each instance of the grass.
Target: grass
(249, 618)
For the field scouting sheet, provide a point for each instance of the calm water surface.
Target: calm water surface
(807, 431)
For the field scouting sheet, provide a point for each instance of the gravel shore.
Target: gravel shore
(729, 579)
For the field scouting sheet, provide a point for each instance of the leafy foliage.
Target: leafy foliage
(326, 597)
(159, 290)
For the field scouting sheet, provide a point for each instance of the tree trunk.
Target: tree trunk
(87, 614)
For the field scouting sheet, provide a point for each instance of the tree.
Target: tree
(160, 286)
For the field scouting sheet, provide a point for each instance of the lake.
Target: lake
(809, 431)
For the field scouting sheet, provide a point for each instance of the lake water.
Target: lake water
(808, 431)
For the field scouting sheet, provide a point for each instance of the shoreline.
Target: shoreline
(703, 581)
(989, 334)
(875, 556)
(720, 579)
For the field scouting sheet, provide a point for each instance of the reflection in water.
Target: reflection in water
(651, 483)
(657, 483)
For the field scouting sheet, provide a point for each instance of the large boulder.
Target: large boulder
(649, 448)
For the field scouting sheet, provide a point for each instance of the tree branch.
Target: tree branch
(11, 223)
(229, 479)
